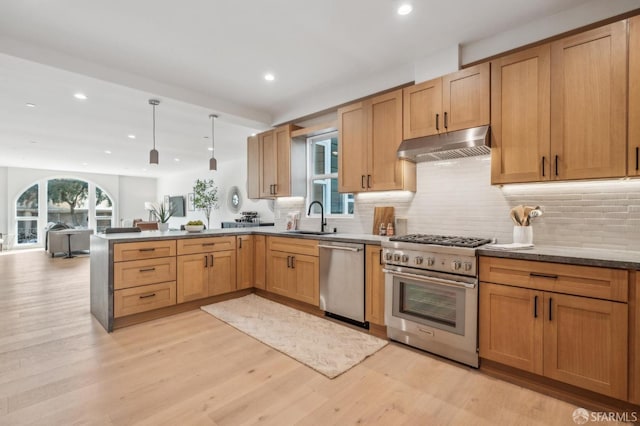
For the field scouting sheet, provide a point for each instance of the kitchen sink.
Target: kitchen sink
(308, 232)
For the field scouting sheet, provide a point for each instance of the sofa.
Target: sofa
(58, 240)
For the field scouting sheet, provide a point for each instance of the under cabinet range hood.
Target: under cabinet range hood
(446, 146)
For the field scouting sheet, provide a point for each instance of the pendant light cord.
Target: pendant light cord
(213, 135)
(154, 126)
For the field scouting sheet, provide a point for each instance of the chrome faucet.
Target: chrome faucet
(323, 222)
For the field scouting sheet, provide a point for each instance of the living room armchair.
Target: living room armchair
(58, 241)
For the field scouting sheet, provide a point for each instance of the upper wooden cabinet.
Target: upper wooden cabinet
(254, 172)
(520, 116)
(559, 110)
(276, 164)
(370, 133)
(633, 168)
(589, 104)
(456, 101)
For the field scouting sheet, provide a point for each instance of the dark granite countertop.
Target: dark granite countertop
(619, 259)
(262, 230)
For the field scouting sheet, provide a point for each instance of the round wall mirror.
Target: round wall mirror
(235, 199)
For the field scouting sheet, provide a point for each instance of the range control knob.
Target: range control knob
(467, 266)
(455, 265)
(418, 260)
(396, 257)
(405, 258)
(431, 261)
(388, 256)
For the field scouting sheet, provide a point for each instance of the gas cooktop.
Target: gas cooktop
(441, 240)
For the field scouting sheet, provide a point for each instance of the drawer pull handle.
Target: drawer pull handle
(147, 249)
(551, 277)
(543, 158)
(535, 307)
(148, 270)
(146, 296)
(438, 122)
(550, 308)
(206, 261)
(208, 244)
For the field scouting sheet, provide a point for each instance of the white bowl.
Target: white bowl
(193, 228)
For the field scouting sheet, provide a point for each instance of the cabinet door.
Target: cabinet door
(278, 272)
(245, 253)
(304, 284)
(385, 136)
(260, 244)
(634, 96)
(352, 159)
(520, 114)
(422, 114)
(254, 169)
(589, 104)
(283, 160)
(510, 323)
(222, 272)
(374, 286)
(585, 343)
(268, 163)
(634, 342)
(193, 277)
(465, 98)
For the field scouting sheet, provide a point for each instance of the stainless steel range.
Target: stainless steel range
(431, 293)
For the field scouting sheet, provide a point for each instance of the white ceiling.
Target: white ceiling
(210, 54)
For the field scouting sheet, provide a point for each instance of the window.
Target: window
(27, 216)
(323, 177)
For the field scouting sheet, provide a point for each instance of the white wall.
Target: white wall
(4, 211)
(230, 173)
(134, 191)
(456, 197)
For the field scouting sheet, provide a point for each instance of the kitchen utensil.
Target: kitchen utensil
(527, 210)
(382, 215)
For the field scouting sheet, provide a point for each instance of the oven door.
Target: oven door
(434, 312)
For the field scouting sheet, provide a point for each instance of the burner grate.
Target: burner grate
(442, 240)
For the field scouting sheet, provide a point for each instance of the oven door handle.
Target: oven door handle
(434, 280)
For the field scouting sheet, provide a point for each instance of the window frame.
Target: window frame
(311, 177)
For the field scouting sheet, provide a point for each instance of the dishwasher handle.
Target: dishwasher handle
(354, 249)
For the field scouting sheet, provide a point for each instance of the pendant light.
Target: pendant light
(153, 155)
(213, 163)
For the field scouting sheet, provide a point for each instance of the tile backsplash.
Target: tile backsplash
(456, 197)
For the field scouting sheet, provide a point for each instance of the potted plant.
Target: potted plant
(163, 214)
(205, 197)
(194, 226)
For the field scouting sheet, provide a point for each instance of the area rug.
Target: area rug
(327, 347)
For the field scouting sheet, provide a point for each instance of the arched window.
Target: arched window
(73, 202)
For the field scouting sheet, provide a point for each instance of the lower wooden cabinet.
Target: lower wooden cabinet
(634, 342)
(374, 286)
(572, 339)
(144, 298)
(292, 274)
(245, 252)
(206, 274)
(260, 267)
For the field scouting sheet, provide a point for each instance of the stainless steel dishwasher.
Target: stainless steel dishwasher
(342, 281)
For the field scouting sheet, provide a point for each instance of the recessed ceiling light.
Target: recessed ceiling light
(205, 137)
(177, 160)
(269, 77)
(210, 149)
(405, 9)
(33, 141)
(30, 105)
(253, 134)
(107, 152)
(80, 96)
(132, 136)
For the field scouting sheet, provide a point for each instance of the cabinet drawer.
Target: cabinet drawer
(141, 272)
(589, 281)
(293, 245)
(143, 250)
(144, 298)
(206, 245)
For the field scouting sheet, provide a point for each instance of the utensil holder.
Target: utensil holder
(523, 234)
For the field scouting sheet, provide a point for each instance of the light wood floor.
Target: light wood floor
(59, 367)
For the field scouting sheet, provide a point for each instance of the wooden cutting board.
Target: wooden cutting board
(382, 215)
